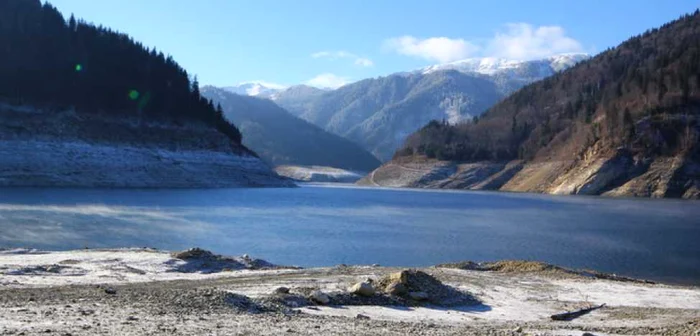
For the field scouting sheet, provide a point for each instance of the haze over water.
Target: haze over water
(325, 226)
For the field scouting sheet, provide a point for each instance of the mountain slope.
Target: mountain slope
(283, 139)
(86, 106)
(380, 112)
(623, 123)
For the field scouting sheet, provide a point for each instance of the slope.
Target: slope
(622, 123)
(282, 139)
(75, 97)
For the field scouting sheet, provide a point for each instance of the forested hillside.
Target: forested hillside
(67, 64)
(281, 138)
(643, 96)
(624, 123)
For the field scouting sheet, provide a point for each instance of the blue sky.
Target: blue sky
(331, 42)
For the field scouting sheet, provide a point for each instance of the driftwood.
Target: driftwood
(568, 316)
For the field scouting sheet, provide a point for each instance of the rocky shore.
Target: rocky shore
(615, 177)
(146, 291)
(47, 148)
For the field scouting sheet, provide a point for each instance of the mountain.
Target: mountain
(295, 98)
(624, 123)
(87, 106)
(256, 89)
(283, 139)
(379, 113)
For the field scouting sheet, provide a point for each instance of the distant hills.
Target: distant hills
(626, 122)
(379, 113)
(281, 138)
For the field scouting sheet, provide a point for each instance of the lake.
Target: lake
(328, 225)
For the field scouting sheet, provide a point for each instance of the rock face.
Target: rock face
(614, 176)
(62, 149)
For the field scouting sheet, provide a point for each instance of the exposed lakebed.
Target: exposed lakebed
(323, 226)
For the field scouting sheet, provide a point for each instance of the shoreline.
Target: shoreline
(198, 292)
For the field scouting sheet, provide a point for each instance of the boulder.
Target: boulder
(281, 290)
(396, 289)
(364, 288)
(319, 297)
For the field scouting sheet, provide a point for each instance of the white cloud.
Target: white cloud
(441, 49)
(361, 61)
(524, 41)
(519, 41)
(328, 81)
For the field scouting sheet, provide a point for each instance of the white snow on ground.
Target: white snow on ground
(80, 164)
(318, 174)
(18, 267)
(505, 297)
(532, 298)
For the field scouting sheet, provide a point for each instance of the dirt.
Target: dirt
(514, 298)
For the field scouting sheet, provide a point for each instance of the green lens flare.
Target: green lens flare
(78, 67)
(133, 95)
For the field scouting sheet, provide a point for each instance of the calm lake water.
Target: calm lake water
(323, 226)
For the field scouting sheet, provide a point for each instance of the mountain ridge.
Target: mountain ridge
(623, 123)
(281, 138)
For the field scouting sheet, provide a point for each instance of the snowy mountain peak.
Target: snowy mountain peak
(257, 89)
(494, 66)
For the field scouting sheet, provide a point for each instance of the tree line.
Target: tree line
(52, 62)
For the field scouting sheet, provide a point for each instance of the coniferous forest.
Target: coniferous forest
(61, 64)
(642, 96)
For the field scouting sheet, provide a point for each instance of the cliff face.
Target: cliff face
(65, 149)
(616, 176)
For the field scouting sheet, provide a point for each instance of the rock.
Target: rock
(518, 330)
(281, 290)
(193, 253)
(398, 277)
(418, 296)
(132, 318)
(396, 289)
(587, 334)
(362, 317)
(364, 288)
(110, 291)
(375, 265)
(319, 297)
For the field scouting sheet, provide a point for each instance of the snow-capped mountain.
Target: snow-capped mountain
(495, 66)
(257, 89)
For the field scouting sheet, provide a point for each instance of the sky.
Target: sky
(328, 43)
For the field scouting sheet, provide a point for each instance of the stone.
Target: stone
(518, 330)
(319, 297)
(396, 289)
(110, 291)
(399, 277)
(364, 288)
(362, 317)
(418, 296)
(282, 290)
